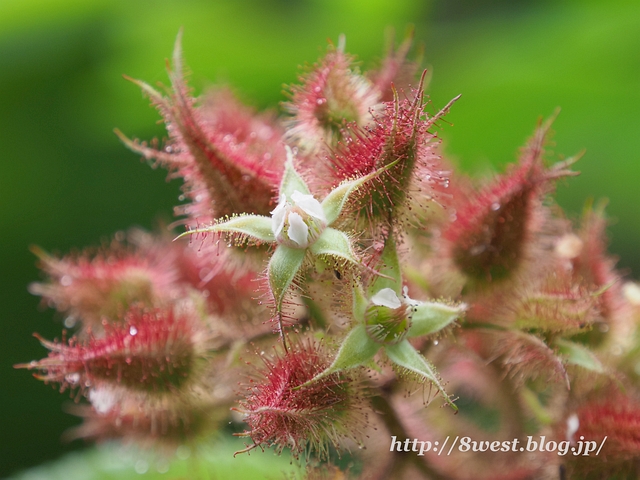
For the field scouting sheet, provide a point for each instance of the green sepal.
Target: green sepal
(357, 349)
(291, 181)
(404, 355)
(360, 303)
(256, 227)
(283, 267)
(431, 317)
(390, 275)
(334, 243)
(580, 355)
(335, 201)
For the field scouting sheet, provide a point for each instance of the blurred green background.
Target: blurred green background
(67, 182)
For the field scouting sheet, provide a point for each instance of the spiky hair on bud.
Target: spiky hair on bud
(493, 230)
(163, 424)
(616, 418)
(151, 352)
(395, 70)
(526, 356)
(230, 159)
(401, 134)
(596, 268)
(104, 283)
(332, 94)
(229, 287)
(283, 410)
(552, 304)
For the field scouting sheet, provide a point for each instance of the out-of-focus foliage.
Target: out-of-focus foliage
(67, 181)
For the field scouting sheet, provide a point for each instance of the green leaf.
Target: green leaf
(580, 355)
(283, 267)
(255, 227)
(291, 181)
(335, 201)
(334, 243)
(431, 317)
(404, 355)
(209, 460)
(389, 269)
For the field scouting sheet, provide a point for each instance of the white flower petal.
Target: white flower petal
(386, 298)
(298, 230)
(410, 301)
(277, 216)
(309, 205)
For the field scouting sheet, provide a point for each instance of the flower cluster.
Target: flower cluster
(366, 268)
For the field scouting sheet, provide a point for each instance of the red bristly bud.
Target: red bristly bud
(593, 266)
(231, 160)
(89, 287)
(395, 72)
(152, 352)
(167, 423)
(618, 419)
(493, 229)
(332, 95)
(281, 412)
(401, 134)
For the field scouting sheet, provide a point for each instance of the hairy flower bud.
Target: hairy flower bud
(152, 352)
(283, 410)
(387, 318)
(400, 140)
(332, 95)
(494, 228)
(230, 159)
(612, 423)
(166, 423)
(89, 287)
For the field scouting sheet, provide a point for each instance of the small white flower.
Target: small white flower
(293, 218)
(386, 298)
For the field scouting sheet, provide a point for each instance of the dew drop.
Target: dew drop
(435, 342)
(162, 466)
(183, 452)
(495, 206)
(70, 322)
(141, 466)
(181, 198)
(66, 280)
(133, 331)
